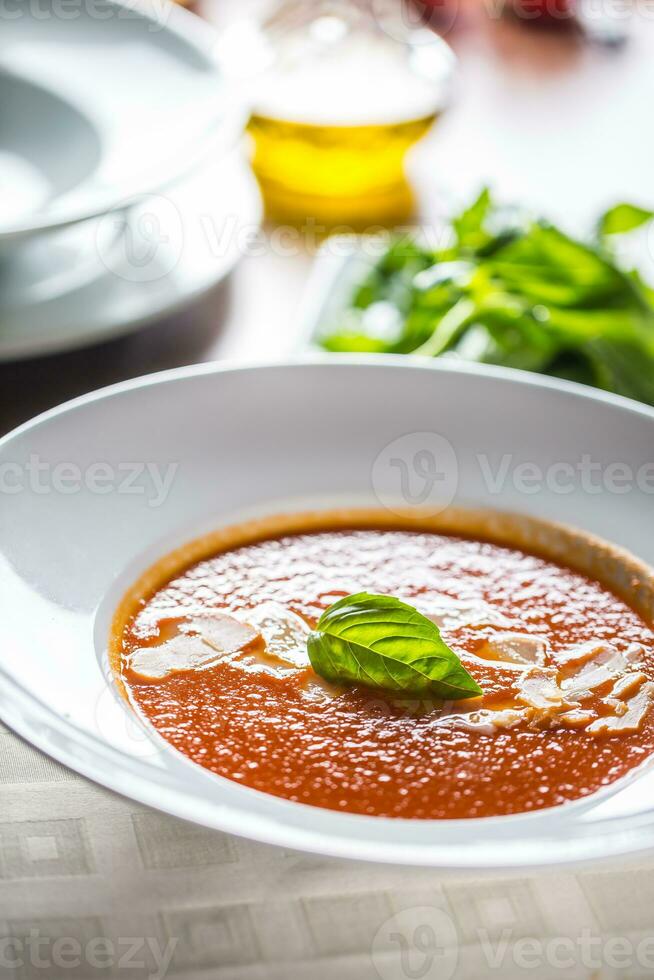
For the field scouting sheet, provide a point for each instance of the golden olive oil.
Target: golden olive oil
(335, 113)
(336, 174)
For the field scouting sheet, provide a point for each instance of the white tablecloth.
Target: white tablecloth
(92, 885)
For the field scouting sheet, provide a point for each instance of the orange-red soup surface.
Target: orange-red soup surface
(524, 627)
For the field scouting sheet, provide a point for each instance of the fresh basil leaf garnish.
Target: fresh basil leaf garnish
(623, 218)
(383, 643)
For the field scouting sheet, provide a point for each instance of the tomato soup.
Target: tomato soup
(210, 649)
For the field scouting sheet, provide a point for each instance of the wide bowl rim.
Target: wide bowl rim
(313, 358)
(106, 765)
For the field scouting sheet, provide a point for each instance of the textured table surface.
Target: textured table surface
(137, 894)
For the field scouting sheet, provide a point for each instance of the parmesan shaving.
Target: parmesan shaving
(633, 717)
(203, 641)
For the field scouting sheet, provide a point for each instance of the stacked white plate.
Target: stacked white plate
(115, 180)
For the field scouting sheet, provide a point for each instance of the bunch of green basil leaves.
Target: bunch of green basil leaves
(513, 290)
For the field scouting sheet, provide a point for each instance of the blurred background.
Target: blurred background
(361, 115)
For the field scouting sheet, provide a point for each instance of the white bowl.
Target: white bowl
(33, 175)
(82, 516)
(102, 102)
(106, 277)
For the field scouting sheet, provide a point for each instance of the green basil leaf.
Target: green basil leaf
(515, 291)
(469, 225)
(623, 218)
(343, 342)
(618, 367)
(380, 642)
